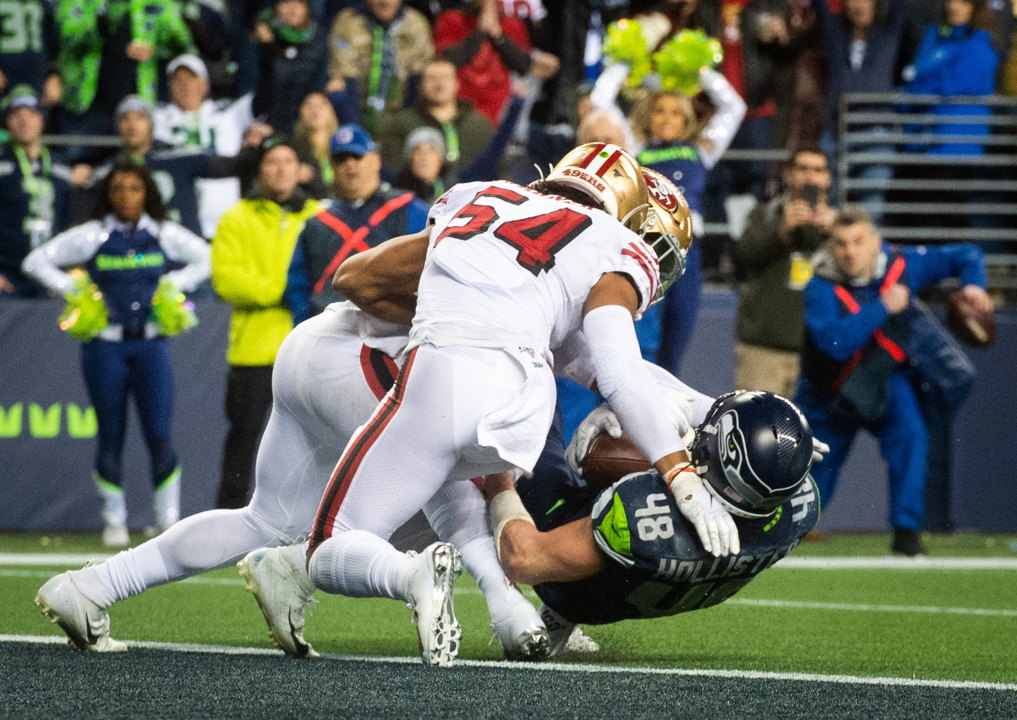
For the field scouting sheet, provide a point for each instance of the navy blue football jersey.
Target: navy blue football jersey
(655, 564)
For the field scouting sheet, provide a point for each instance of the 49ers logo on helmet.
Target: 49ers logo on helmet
(661, 193)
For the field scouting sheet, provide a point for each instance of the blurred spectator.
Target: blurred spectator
(124, 250)
(174, 169)
(775, 255)
(34, 190)
(427, 172)
(366, 212)
(383, 46)
(670, 17)
(250, 254)
(955, 58)
(292, 62)
(465, 131)
(606, 126)
(863, 46)
(312, 137)
(209, 23)
(192, 119)
(110, 49)
(855, 371)
(29, 48)
(486, 48)
(684, 147)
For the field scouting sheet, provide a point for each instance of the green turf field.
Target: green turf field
(947, 624)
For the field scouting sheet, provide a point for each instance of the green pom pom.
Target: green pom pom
(624, 43)
(682, 57)
(172, 312)
(85, 314)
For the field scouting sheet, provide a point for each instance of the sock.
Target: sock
(114, 508)
(481, 562)
(357, 563)
(129, 573)
(167, 500)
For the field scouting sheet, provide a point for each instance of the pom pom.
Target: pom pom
(683, 56)
(624, 43)
(85, 314)
(172, 312)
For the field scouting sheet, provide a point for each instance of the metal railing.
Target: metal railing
(896, 135)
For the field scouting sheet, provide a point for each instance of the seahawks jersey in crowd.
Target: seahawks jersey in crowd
(654, 562)
(28, 42)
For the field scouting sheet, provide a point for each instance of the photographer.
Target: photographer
(775, 253)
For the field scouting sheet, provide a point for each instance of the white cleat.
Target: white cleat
(279, 582)
(522, 634)
(565, 636)
(85, 622)
(116, 536)
(430, 595)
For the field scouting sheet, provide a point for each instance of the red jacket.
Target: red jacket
(485, 80)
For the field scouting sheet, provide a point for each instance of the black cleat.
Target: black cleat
(907, 543)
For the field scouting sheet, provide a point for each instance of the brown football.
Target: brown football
(971, 325)
(609, 460)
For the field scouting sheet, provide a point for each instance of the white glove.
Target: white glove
(602, 419)
(819, 450)
(713, 523)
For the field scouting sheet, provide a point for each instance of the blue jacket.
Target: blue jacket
(841, 342)
(954, 61)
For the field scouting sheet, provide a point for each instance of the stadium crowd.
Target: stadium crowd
(293, 134)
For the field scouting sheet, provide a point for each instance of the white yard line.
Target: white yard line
(795, 563)
(558, 667)
(797, 604)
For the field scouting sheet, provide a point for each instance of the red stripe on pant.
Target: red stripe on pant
(350, 462)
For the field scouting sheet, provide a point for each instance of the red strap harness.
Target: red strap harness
(893, 349)
(354, 240)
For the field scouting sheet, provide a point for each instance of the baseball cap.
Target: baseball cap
(135, 103)
(351, 139)
(192, 62)
(21, 96)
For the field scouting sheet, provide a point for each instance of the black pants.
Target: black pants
(248, 402)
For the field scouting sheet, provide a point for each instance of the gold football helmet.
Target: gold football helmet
(668, 228)
(610, 174)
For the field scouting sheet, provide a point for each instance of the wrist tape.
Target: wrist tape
(506, 506)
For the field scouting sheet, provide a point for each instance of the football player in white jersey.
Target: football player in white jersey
(511, 273)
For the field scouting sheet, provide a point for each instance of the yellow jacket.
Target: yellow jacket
(251, 254)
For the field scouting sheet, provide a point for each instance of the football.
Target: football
(971, 325)
(609, 460)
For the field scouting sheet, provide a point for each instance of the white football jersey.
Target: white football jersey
(508, 266)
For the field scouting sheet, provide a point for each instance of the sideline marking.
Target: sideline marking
(796, 563)
(554, 667)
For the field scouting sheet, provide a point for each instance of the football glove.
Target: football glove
(819, 449)
(714, 524)
(602, 419)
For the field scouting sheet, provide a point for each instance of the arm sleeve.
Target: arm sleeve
(930, 265)
(244, 163)
(515, 57)
(628, 386)
(721, 129)
(73, 247)
(835, 335)
(182, 245)
(608, 85)
(465, 50)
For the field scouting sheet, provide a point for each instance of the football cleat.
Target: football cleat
(565, 636)
(430, 597)
(85, 622)
(279, 582)
(522, 634)
(907, 543)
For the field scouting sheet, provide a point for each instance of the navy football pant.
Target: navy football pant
(114, 370)
(903, 443)
(666, 329)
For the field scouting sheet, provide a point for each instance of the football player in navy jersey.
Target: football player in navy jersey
(597, 556)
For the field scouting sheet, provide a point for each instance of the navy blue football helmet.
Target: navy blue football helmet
(754, 450)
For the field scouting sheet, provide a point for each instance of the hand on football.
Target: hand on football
(713, 523)
(602, 419)
(819, 450)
